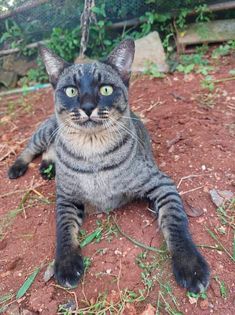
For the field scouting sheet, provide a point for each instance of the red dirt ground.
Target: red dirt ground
(189, 138)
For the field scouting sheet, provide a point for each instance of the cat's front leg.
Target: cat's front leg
(189, 267)
(68, 263)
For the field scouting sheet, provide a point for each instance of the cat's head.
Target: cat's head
(91, 95)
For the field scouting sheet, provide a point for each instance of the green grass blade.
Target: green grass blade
(220, 244)
(91, 237)
(6, 297)
(234, 246)
(26, 285)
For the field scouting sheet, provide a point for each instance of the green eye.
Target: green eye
(106, 90)
(71, 91)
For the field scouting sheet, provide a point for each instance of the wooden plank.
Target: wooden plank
(24, 7)
(208, 32)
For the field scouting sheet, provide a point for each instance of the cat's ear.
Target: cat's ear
(54, 64)
(122, 57)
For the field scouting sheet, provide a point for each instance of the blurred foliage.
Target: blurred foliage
(58, 22)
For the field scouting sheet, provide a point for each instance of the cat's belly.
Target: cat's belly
(101, 192)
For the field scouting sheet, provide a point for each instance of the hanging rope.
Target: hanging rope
(86, 18)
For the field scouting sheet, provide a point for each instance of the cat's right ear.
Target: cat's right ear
(54, 64)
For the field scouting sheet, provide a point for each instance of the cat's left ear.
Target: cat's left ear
(53, 63)
(122, 57)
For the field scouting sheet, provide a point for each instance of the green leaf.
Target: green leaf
(26, 285)
(48, 169)
(91, 237)
(193, 295)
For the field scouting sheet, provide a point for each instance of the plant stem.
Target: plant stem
(151, 248)
(223, 80)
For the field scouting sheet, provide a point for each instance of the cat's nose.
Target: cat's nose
(88, 108)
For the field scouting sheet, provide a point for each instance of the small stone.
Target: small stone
(220, 196)
(117, 252)
(26, 312)
(70, 306)
(15, 263)
(49, 273)
(3, 244)
(13, 309)
(189, 77)
(129, 310)
(5, 274)
(215, 288)
(203, 167)
(204, 304)
(113, 297)
(149, 310)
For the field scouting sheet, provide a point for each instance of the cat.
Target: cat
(102, 155)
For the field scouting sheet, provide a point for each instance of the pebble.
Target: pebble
(149, 310)
(129, 310)
(13, 309)
(3, 244)
(204, 304)
(15, 263)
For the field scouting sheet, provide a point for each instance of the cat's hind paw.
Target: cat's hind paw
(191, 271)
(17, 169)
(47, 169)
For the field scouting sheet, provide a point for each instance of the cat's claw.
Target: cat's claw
(191, 271)
(17, 169)
(69, 269)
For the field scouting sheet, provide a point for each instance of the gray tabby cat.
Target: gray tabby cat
(103, 157)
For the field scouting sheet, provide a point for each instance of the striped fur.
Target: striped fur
(105, 159)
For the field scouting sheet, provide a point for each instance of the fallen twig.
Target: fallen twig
(223, 80)
(190, 190)
(187, 177)
(151, 248)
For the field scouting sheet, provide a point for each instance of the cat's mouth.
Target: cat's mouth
(95, 118)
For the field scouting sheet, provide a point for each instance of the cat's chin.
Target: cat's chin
(88, 126)
(90, 123)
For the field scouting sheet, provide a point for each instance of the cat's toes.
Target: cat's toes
(17, 169)
(69, 269)
(191, 271)
(47, 169)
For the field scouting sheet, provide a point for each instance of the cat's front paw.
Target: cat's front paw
(69, 269)
(17, 169)
(191, 271)
(47, 169)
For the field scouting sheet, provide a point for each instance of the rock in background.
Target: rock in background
(12, 68)
(149, 50)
